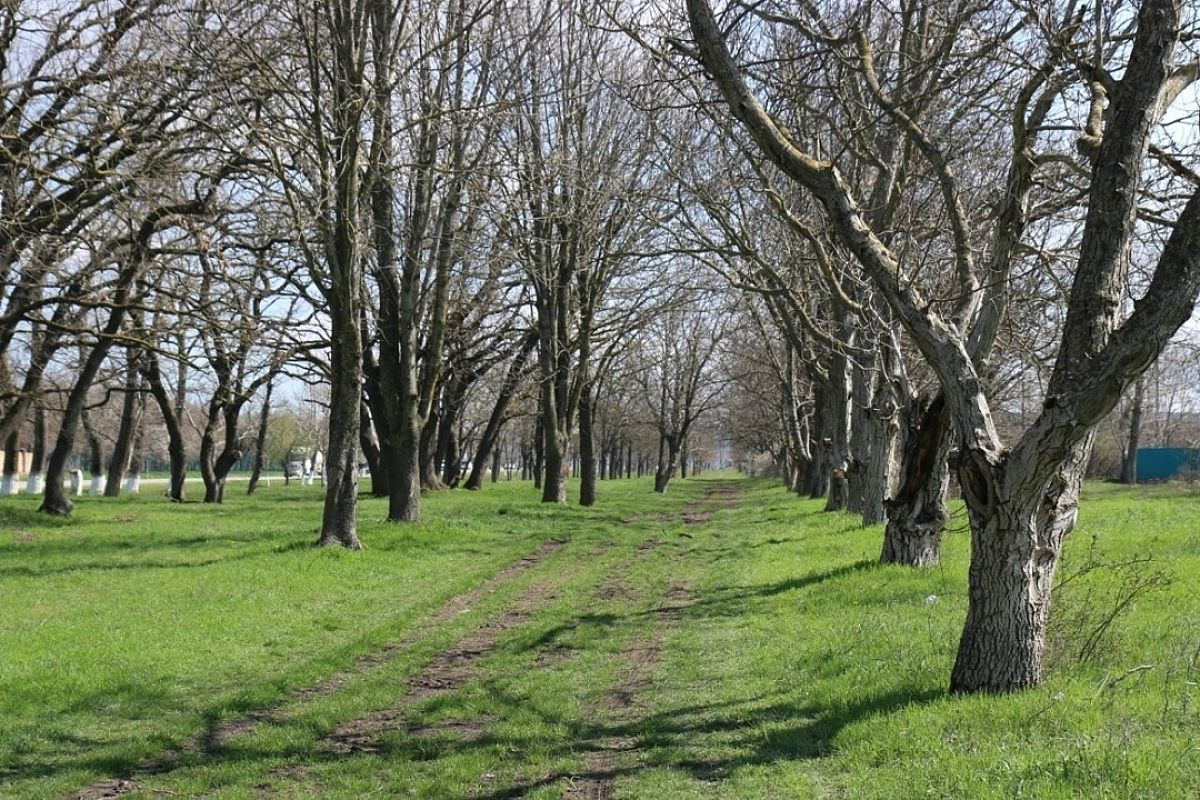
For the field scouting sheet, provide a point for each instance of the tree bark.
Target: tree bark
(1016, 540)
(916, 513)
(339, 522)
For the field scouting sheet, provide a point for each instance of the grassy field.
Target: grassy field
(724, 641)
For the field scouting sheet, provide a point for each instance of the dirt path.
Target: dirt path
(219, 733)
(626, 704)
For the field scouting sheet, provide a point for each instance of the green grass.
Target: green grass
(796, 666)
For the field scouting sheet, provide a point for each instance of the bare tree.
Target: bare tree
(1022, 500)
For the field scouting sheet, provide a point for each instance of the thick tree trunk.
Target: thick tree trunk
(879, 470)
(404, 501)
(587, 455)
(37, 463)
(916, 513)
(1017, 531)
(339, 521)
(1129, 460)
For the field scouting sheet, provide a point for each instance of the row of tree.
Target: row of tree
(895, 243)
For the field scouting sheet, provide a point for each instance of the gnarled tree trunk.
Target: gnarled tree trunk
(916, 513)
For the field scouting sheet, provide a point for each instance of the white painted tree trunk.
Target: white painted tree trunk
(34, 484)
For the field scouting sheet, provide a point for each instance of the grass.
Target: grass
(679, 646)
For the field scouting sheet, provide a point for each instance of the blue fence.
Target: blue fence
(1164, 463)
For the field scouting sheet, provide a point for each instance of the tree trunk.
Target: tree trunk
(668, 462)
(260, 441)
(339, 521)
(1017, 530)
(95, 454)
(554, 478)
(130, 419)
(55, 500)
(539, 452)
(38, 460)
(587, 455)
(371, 452)
(133, 478)
(859, 455)
(171, 411)
(11, 458)
(835, 447)
(916, 513)
(430, 479)
(404, 501)
(1129, 462)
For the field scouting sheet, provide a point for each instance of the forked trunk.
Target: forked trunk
(1017, 531)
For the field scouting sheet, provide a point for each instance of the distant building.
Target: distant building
(1165, 463)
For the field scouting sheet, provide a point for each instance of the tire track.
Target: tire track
(219, 733)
